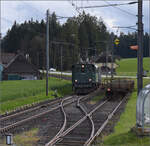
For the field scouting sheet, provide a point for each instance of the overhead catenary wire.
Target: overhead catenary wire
(75, 6)
(129, 13)
(126, 27)
(114, 6)
(62, 17)
(97, 6)
(43, 14)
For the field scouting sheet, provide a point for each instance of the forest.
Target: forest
(84, 36)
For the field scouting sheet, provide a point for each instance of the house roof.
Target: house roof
(12, 64)
(6, 58)
(20, 66)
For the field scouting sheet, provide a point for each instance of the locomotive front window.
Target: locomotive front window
(77, 68)
(93, 68)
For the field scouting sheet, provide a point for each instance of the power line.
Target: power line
(120, 8)
(104, 5)
(57, 16)
(62, 17)
(75, 6)
(111, 5)
(126, 27)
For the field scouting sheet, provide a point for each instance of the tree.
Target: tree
(86, 36)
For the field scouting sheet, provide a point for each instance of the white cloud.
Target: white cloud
(110, 24)
(109, 21)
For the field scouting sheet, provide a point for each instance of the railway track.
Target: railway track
(11, 121)
(26, 109)
(88, 127)
(29, 108)
(14, 120)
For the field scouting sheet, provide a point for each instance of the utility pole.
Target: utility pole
(0, 49)
(149, 29)
(61, 61)
(106, 62)
(47, 50)
(140, 47)
(112, 56)
(95, 51)
(61, 43)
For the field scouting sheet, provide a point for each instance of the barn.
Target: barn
(18, 67)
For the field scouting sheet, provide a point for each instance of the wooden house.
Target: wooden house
(17, 67)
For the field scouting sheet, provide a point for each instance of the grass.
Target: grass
(129, 66)
(27, 138)
(24, 88)
(18, 93)
(122, 135)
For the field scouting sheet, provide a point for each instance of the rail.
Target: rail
(62, 129)
(94, 132)
(30, 110)
(79, 122)
(105, 123)
(6, 128)
(90, 118)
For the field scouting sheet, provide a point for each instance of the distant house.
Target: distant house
(101, 62)
(17, 67)
(102, 58)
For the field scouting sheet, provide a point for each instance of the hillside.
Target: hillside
(129, 66)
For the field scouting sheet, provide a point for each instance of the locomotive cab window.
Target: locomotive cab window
(93, 68)
(76, 68)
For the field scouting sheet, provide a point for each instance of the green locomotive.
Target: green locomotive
(85, 78)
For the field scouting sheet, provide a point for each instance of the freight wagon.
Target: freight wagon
(114, 85)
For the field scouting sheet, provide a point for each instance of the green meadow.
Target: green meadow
(18, 93)
(122, 135)
(129, 66)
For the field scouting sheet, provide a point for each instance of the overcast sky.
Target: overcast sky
(113, 16)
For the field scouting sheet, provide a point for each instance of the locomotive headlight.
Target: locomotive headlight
(76, 81)
(90, 80)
